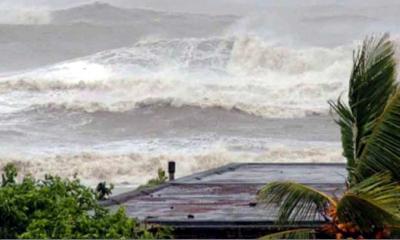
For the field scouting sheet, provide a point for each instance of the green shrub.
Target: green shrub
(9, 175)
(61, 208)
(160, 179)
(102, 191)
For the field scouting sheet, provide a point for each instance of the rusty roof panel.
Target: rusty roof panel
(263, 173)
(226, 194)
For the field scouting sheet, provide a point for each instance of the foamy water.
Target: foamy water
(113, 93)
(244, 73)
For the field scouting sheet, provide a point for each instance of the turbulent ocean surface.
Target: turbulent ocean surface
(113, 90)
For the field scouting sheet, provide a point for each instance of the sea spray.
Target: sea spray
(247, 73)
(136, 168)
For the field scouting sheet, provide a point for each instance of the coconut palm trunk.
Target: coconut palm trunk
(370, 130)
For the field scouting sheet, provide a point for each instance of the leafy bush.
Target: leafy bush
(9, 175)
(61, 208)
(103, 192)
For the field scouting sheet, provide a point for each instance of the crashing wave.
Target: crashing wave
(244, 73)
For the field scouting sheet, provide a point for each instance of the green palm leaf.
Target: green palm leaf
(373, 202)
(372, 83)
(382, 149)
(302, 233)
(346, 123)
(296, 201)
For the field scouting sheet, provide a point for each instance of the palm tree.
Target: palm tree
(370, 129)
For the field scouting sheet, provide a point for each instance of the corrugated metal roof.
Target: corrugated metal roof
(226, 196)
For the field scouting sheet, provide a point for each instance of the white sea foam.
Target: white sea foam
(244, 73)
(137, 168)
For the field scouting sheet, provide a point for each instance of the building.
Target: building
(221, 203)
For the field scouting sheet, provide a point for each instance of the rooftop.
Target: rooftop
(226, 197)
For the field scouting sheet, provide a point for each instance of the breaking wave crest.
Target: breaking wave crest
(244, 73)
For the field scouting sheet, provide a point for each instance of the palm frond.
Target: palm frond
(296, 201)
(346, 123)
(374, 202)
(372, 83)
(382, 148)
(302, 233)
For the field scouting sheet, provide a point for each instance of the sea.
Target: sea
(113, 90)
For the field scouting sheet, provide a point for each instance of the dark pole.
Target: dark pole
(171, 170)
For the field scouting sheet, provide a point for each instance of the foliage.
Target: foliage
(287, 193)
(372, 203)
(61, 208)
(370, 124)
(9, 175)
(370, 128)
(302, 233)
(160, 179)
(102, 191)
(365, 209)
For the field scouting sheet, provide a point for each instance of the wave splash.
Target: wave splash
(137, 168)
(244, 73)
